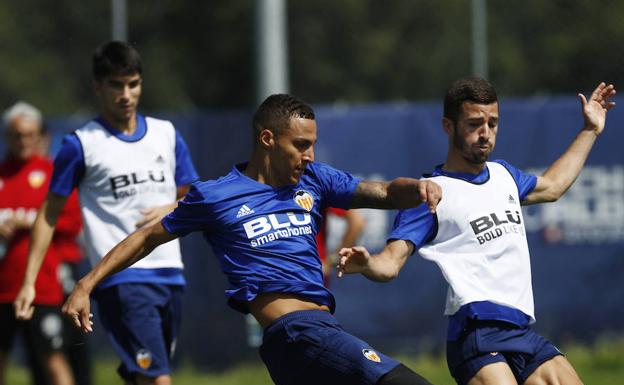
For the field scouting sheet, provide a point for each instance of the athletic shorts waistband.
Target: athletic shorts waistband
(321, 315)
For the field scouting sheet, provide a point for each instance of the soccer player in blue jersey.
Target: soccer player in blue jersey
(129, 171)
(261, 220)
(477, 237)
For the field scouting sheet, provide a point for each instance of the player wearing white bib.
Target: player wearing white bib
(129, 171)
(477, 238)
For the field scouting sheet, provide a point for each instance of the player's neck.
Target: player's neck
(459, 164)
(125, 126)
(259, 169)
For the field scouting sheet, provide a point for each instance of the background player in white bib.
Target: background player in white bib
(129, 170)
(477, 237)
(261, 220)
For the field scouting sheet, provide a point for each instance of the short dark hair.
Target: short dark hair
(472, 89)
(275, 112)
(115, 58)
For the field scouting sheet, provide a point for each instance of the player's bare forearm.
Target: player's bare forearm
(132, 249)
(382, 267)
(41, 235)
(40, 238)
(558, 178)
(400, 193)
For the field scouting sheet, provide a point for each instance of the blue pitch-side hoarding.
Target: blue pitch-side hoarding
(577, 243)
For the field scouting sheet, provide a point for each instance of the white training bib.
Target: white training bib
(481, 244)
(121, 179)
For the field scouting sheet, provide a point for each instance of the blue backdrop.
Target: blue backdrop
(577, 244)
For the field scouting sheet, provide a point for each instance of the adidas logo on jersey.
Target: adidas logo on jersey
(160, 159)
(511, 199)
(244, 210)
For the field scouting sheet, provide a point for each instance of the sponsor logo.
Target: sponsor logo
(371, 355)
(127, 185)
(511, 199)
(36, 178)
(143, 358)
(304, 199)
(265, 229)
(490, 227)
(244, 210)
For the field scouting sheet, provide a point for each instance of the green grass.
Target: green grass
(600, 364)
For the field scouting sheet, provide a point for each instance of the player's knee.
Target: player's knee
(402, 375)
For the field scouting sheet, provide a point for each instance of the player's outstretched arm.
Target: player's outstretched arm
(40, 238)
(400, 193)
(134, 247)
(381, 267)
(558, 178)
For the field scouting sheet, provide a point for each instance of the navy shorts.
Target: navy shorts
(487, 342)
(142, 322)
(310, 347)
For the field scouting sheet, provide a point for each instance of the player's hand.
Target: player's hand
(7, 229)
(430, 193)
(595, 109)
(352, 260)
(23, 303)
(77, 307)
(153, 215)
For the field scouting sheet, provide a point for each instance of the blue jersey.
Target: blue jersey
(264, 237)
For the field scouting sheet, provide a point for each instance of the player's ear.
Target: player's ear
(448, 126)
(267, 139)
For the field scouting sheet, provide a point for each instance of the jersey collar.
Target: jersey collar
(479, 178)
(139, 133)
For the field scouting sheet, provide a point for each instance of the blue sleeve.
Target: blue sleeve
(192, 214)
(69, 166)
(185, 172)
(416, 225)
(337, 187)
(525, 182)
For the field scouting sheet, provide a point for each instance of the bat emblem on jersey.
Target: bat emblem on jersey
(304, 199)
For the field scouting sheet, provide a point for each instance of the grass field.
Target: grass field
(601, 364)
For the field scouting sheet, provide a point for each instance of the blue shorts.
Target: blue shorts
(310, 347)
(487, 342)
(142, 323)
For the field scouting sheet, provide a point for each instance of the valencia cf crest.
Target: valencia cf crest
(36, 178)
(371, 355)
(304, 199)
(143, 358)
